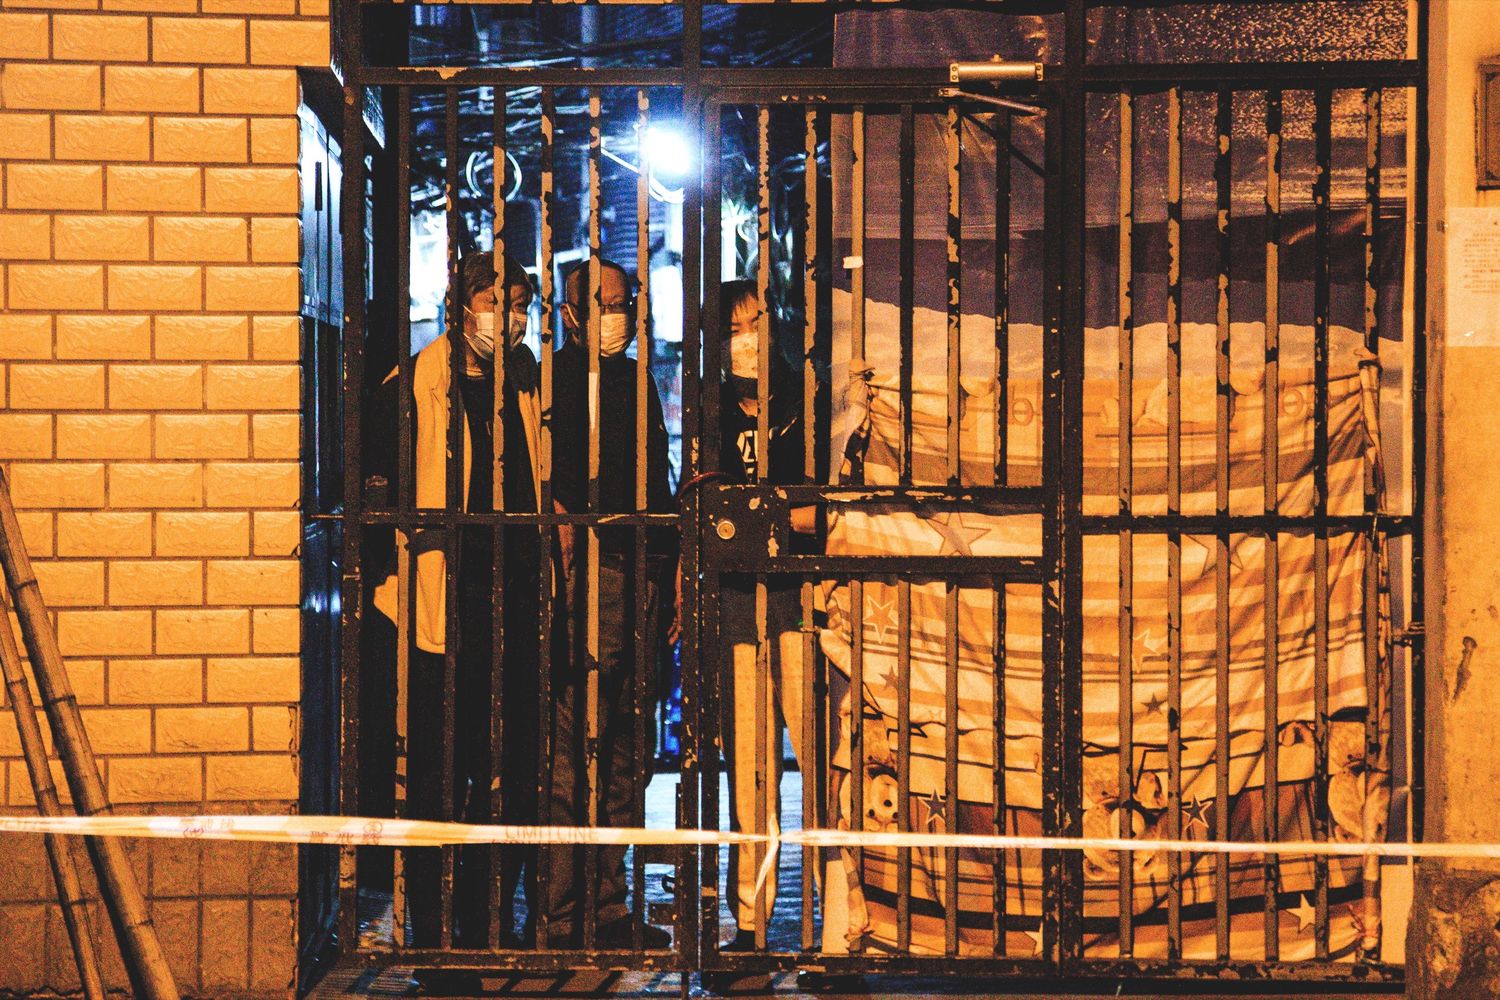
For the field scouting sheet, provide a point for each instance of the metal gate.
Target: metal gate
(952, 471)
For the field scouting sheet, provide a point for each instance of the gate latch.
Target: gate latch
(748, 526)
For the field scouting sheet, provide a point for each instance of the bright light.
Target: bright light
(668, 151)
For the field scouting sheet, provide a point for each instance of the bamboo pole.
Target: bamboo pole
(145, 962)
(59, 849)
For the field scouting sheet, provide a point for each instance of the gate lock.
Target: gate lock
(748, 526)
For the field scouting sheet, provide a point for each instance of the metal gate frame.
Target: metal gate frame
(1065, 94)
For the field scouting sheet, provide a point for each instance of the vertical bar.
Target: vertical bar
(1323, 141)
(908, 280)
(903, 761)
(1125, 320)
(591, 625)
(455, 501)
(947, 805)
(705, 458)
(767, 646)
(1002, 295)
(856, 728)
(1000, 478)
(1377, 697)
(1224, 123)
(1271, 486)
(645, 648)
(1417, 651)
(693, 904)
(953, 142)
(544, 506)
(812, 787)
(405, 492)
(857, 243)
(1064, 705)
(1174, 511)
(497, 499)
(356, 257)
(999, 902)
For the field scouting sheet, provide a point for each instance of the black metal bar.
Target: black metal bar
(405, 504)
(857, 252)
(1322, 242)
(1417, 655)
(705, 266)
(1002, 294)
(1066, 703)
(767, 746)
(499, 787)
(591, 719)
(1253, 75)
(547, 585)
(953, 143)
(1254, 524)
(453, 316)
(857, 729)
(812, 783)
(1223, 174)
(1377, 699)
(1271, 490)
(1174, 510)
(950, 798)
(908, 197)
(1125, 297)
(645, 643)
(922, 81)
(903, 761)
(999, 904)
(351, 391)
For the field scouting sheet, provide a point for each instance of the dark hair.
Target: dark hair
(575, 283)
(731, 295)
(476, 272)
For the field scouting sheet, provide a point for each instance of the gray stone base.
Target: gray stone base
(1453, 943)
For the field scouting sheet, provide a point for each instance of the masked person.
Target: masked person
(518, 432)
(622, 610)
(742, 462)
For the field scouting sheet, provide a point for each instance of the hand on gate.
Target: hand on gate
(567, 552)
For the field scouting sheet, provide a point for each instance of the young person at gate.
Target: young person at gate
(619, 767)
(740, 461)
(518, 433)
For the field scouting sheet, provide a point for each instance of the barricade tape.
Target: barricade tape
(356, 831)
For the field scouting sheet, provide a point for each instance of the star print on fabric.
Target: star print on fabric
(1154, 704)
(1151, 643)
(1305, 913)
(957, 537)
(1194, 812)
(890, 680)
(881, 617)
(937, 806)
(1036, 937)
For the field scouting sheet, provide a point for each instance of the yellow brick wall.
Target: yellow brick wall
(149, 420)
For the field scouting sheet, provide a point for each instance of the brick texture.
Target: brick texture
(150, 391)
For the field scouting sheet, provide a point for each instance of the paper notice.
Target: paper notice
(1473, 299)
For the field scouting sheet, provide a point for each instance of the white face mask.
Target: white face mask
(614, 334)
(480, 335)
(515, 329)
(744, 355)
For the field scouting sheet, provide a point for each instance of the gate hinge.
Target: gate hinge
(1409, 635)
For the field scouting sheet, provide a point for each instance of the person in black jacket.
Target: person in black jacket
(519, 590)
(622, 611)
(742, 461)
